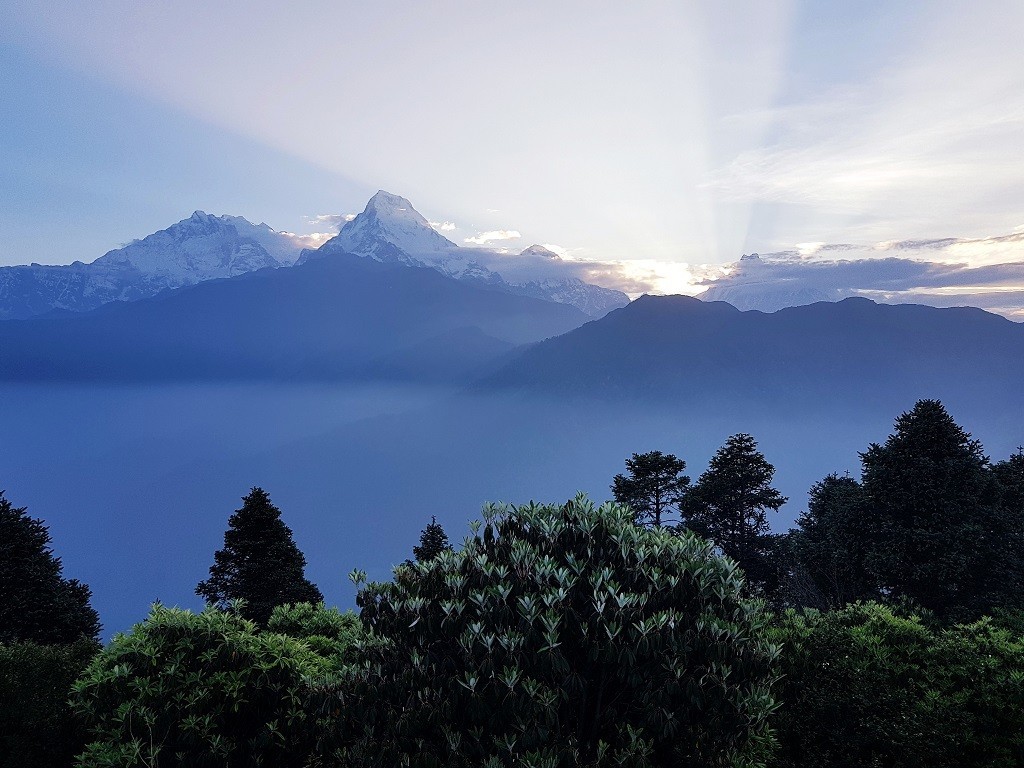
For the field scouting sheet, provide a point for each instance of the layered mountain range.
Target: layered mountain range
(206, 247)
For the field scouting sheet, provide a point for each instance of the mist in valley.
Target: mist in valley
(141, 480)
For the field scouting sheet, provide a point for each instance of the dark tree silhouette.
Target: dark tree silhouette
(728, 504)
(259, 563)
(1010, 475)
(36, 602)
(937, 532)
(654, 487)
(828, 546)
(433, 541)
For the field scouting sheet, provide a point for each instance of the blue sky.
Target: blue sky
(661, 134)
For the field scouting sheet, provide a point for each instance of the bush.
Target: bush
(563, 636)
(36, 725)
(331, 635)
(208, 689)
(867, 687)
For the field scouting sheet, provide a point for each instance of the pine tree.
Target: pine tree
(259, 563)
(828, 546)
(937, 532)
(36, 602)
(728, 504)
(654, 487)
(433, 541)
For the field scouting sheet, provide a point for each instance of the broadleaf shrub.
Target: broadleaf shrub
(207, 689)
(562, 636)
(865, 687)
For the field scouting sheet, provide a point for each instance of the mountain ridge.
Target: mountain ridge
(198, 248)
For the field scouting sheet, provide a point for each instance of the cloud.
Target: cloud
(443, 226)
(982, 272)
(312, 241)
(334, 221)
(496, 234)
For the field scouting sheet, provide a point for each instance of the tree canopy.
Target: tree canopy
(937, 532)
(653, 488)
(828, 546)
(433, 541)
(259, 564)
(36, 602)
(729, 504)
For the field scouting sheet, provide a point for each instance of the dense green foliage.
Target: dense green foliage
(332, 635)
(654, 487)
(729, 503)
(36, 602)
(259, 564)
(564, 636)
(36, 725)
(209, 689)
(867, 687)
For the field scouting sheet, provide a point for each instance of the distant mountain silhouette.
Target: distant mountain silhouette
(824, 355)
(344, 318)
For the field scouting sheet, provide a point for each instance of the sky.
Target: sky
(661, 139)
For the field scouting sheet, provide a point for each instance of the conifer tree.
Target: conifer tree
(654, 487)
(36, 602)
(433, 541)
(729, 502)
(828, 545)
(259, 563)
(937, 532)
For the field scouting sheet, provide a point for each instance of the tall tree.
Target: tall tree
(828, 547)
(259, 563)
(433, 541)
(729, 503)
(1010, 476)
(938, 533)
(36, 602)
(654, 487)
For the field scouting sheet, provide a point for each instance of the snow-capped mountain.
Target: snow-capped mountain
(201, 247)
(390, 230)
(391, 220)
(206, 247)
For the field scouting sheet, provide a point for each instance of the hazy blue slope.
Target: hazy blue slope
(328, 319)
(820, 357)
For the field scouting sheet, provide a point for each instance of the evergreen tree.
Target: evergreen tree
(36, 602)
(828, 546)
(937, 532)
(433, 541)
(654, 487)
(259, 563)
(728, 504)
(1010, 476)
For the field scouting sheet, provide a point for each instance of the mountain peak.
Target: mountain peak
(386, 202)
(389, 229)
(541, 251)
